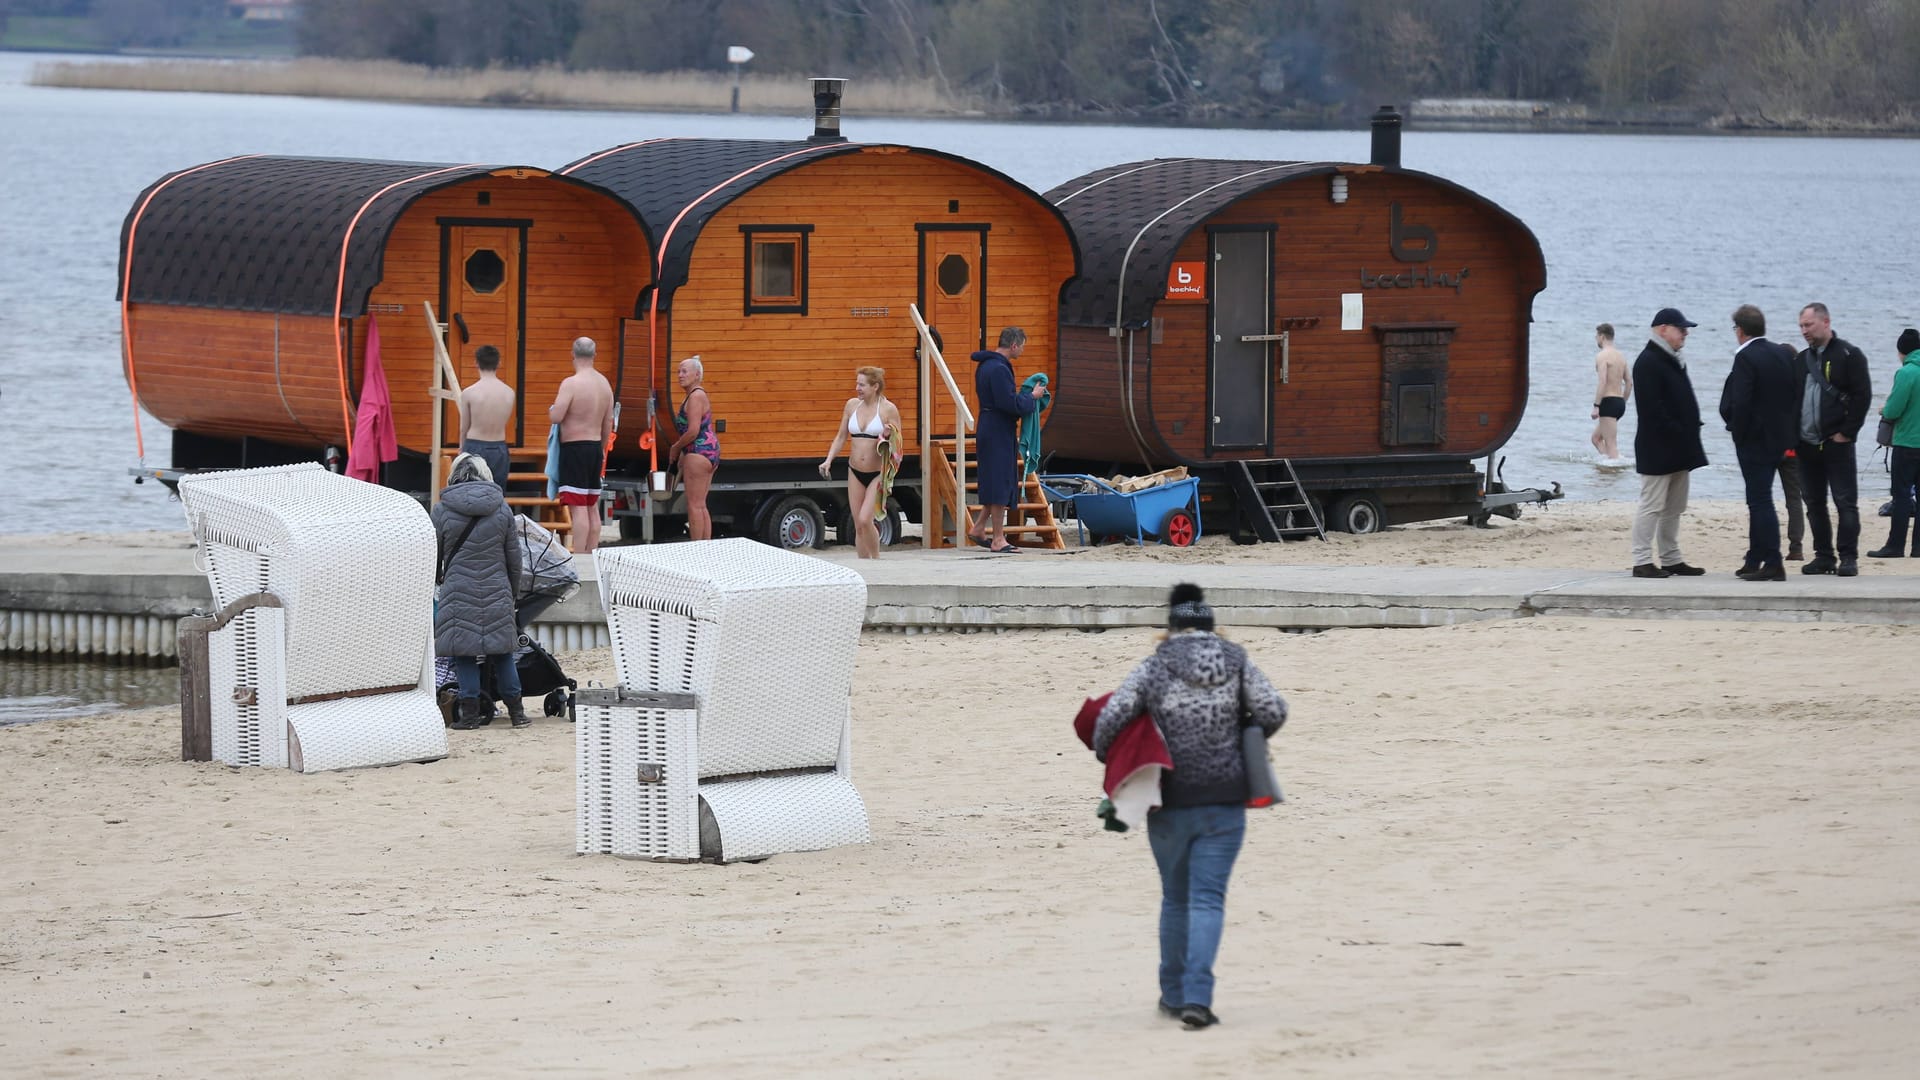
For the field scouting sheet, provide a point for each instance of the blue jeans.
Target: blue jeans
(506, 677)
(1194, 847)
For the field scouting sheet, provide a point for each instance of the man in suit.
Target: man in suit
(1834, 405)
(1666, 447)
(1761, 405)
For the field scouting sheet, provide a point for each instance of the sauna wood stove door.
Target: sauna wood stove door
(953, 300)
(483, 297)
(1240, 372)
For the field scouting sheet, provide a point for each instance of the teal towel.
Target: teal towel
(553, 462)
(1030, 423)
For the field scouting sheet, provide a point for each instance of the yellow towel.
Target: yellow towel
(889, 468)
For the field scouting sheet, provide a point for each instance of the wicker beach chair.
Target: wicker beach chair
(327, 659)
(729, 736)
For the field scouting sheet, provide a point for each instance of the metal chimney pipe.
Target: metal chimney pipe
(1386, 137)
(826, 110)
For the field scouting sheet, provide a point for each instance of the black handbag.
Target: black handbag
(1263, 787)
(1883, 436)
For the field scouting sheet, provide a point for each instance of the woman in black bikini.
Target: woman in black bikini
(868, 418)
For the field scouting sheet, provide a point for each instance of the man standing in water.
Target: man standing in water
(584, 411)
(1610, 393)
(485, 408)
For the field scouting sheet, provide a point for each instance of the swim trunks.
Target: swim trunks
(580, 472)
(494, 454)
(1615, 407)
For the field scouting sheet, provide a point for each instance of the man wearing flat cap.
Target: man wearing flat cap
(1666, 447)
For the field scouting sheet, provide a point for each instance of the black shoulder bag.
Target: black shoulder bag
(440, 571)
(1263, 788)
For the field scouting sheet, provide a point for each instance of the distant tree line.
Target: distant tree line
(1782, 60)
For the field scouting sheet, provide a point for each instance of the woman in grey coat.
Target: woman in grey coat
(473, 614)
(1201, 689)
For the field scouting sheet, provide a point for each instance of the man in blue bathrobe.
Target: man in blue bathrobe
(996, 437)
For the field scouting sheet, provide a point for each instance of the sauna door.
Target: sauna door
(953, 300)
(1240, 380)
(483, 297)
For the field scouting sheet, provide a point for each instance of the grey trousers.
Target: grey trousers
(1656, 526)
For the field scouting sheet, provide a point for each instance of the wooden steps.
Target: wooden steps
(1030, 523)
(549, 513)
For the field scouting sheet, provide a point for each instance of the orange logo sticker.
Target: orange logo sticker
(1187, 281)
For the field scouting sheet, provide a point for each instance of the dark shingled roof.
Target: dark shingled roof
(1131, 218)
(263, 233)
(680, 184)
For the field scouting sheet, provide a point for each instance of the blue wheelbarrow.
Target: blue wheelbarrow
(1169, 513)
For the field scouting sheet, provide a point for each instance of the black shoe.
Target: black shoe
(1197, 1017)
(1795, 555)
(1886, 508)
(1747, 570)
(1681, 569)
(1819, 564)
(1891, 551)
(1776, 572)
(1171, 1011)
(518, 714)
(1848, 568)
(1647, 569)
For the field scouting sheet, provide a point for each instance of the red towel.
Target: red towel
(1138, 746)
(374, 440)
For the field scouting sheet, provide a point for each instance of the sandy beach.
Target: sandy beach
(1532, 848)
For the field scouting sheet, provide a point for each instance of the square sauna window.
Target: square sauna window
(776, 269)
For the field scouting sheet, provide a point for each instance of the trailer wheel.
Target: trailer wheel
(1180, 529)
(795, 523)
(1358, 513)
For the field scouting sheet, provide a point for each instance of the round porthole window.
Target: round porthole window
(955, 274)
(485, 271)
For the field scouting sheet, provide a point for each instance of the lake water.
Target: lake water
(1629, 223)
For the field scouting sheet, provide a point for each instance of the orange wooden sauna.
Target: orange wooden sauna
(249, 288)
(786, 265)
(1323, 342)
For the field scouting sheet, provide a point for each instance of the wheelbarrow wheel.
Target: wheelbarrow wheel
(1180, 529)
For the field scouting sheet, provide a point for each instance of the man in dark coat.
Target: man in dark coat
(996, 436)
(1834, 405)
(1666, 448)
(1761, 405)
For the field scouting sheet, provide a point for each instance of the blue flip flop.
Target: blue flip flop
(1008, 550)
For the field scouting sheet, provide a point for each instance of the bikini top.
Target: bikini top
(873, 429)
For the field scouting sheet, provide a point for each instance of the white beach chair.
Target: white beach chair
(335, 669)
(729, 736)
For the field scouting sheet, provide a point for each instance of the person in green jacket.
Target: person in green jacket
(1903, 408)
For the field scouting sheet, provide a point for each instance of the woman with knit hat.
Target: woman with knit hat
(1201, 689)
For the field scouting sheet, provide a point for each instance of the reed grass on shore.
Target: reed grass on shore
(381, 80)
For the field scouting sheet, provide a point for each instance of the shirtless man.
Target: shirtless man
(1610, 393)
(584, 411)
(485, 408)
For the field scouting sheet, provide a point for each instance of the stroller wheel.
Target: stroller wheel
(555, 703)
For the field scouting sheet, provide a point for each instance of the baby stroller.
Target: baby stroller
(546, 578)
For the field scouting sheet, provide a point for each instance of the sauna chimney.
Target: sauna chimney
(826, 110)
(1386, 137)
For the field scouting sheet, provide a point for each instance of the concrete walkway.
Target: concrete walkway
(960, 590)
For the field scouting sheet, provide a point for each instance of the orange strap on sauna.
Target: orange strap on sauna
(340, 292)
(126, 294)
(660, 256)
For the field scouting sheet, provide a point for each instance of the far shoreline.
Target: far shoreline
(708, 93)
